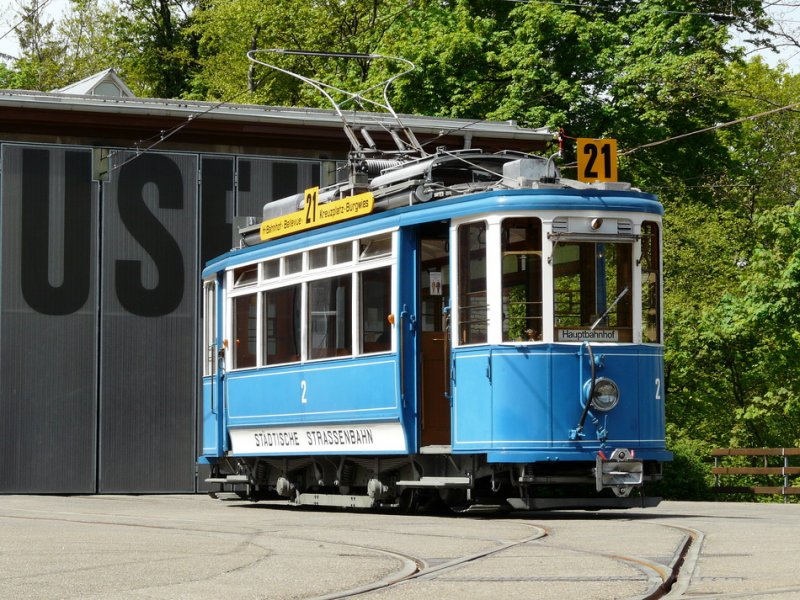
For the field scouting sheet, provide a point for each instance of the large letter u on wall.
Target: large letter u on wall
(72, 292)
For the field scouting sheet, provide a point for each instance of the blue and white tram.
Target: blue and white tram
(479, 331)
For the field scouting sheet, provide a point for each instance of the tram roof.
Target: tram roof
(555, 199)
(68, 114)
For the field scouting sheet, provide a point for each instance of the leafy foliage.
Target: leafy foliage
(732, 281)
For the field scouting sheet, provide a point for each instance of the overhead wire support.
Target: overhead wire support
(327, 90)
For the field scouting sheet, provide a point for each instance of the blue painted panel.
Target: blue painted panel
(652, 421)
(520, 398)
(472, 400)
(568, 373)
(626, 365)
(519, 404)
(210, 420)
(336, 391)
(567, 454)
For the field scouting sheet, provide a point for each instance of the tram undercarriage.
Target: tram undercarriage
(429, 481)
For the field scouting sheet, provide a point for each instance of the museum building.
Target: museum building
(109, 206)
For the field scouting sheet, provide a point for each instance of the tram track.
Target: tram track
(663, 579)
(667, 581)
(423, 570)
(100, 547)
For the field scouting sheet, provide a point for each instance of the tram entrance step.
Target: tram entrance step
(440, 449)
(228, 479)
(334, 500)
(436, 482)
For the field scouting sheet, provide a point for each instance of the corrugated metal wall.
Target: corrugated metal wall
(261, 180)
(147, 327)
(48, 320)
(99, 310)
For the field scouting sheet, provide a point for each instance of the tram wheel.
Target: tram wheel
(455, 499)
(408, 501)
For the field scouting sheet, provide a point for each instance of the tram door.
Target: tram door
(434, 297)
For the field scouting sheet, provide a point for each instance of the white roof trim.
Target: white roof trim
(90, 85)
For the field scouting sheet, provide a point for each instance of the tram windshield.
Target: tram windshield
(592, 291)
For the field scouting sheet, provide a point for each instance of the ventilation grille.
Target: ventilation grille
(624, 227)
(560, 225)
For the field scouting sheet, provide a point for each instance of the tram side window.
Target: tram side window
(293, 264)
(245, 276)
(374, 247)
(209, 328)
(376, 304)
(272, 269)
(472, 299)
(318, 258)
(244, 317)
(342, 253)
(329, 317)
(522, 279)
(651, 283)
(589, 278)
(282, 325)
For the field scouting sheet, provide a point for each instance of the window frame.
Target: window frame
(209, 351)
(617, 227)
(354, 268)
(656, 257)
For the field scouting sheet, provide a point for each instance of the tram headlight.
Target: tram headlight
(606, 394)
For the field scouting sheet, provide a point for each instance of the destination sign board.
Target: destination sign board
(587, 335)
(314, 214)
(315, 439)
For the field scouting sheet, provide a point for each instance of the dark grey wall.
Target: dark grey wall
(48, 320)
(99, 310)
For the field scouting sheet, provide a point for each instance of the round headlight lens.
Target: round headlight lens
(606, 394)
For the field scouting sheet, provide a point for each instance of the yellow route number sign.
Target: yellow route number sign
(597, 160)
(314, 214)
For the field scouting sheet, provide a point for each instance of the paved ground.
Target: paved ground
(147, 547)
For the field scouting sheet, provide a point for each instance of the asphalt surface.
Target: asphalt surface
(148, 547)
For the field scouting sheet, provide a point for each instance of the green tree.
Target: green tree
(37, 68)
(86, 32)
(730, 267)
(154, 49)
(739, 384)
(638, 72)
(228, 29)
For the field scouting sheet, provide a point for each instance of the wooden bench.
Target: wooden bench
(765, 454)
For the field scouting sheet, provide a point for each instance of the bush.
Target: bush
(688, 476)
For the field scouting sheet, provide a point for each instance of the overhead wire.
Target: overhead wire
(165, 134)
(711, 128)
(40, 7)
(635, 8)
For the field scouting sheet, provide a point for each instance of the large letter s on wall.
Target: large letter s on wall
(156, 240)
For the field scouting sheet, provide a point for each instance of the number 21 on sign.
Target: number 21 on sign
(597, 160)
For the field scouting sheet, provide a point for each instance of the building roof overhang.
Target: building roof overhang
(129, 121)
